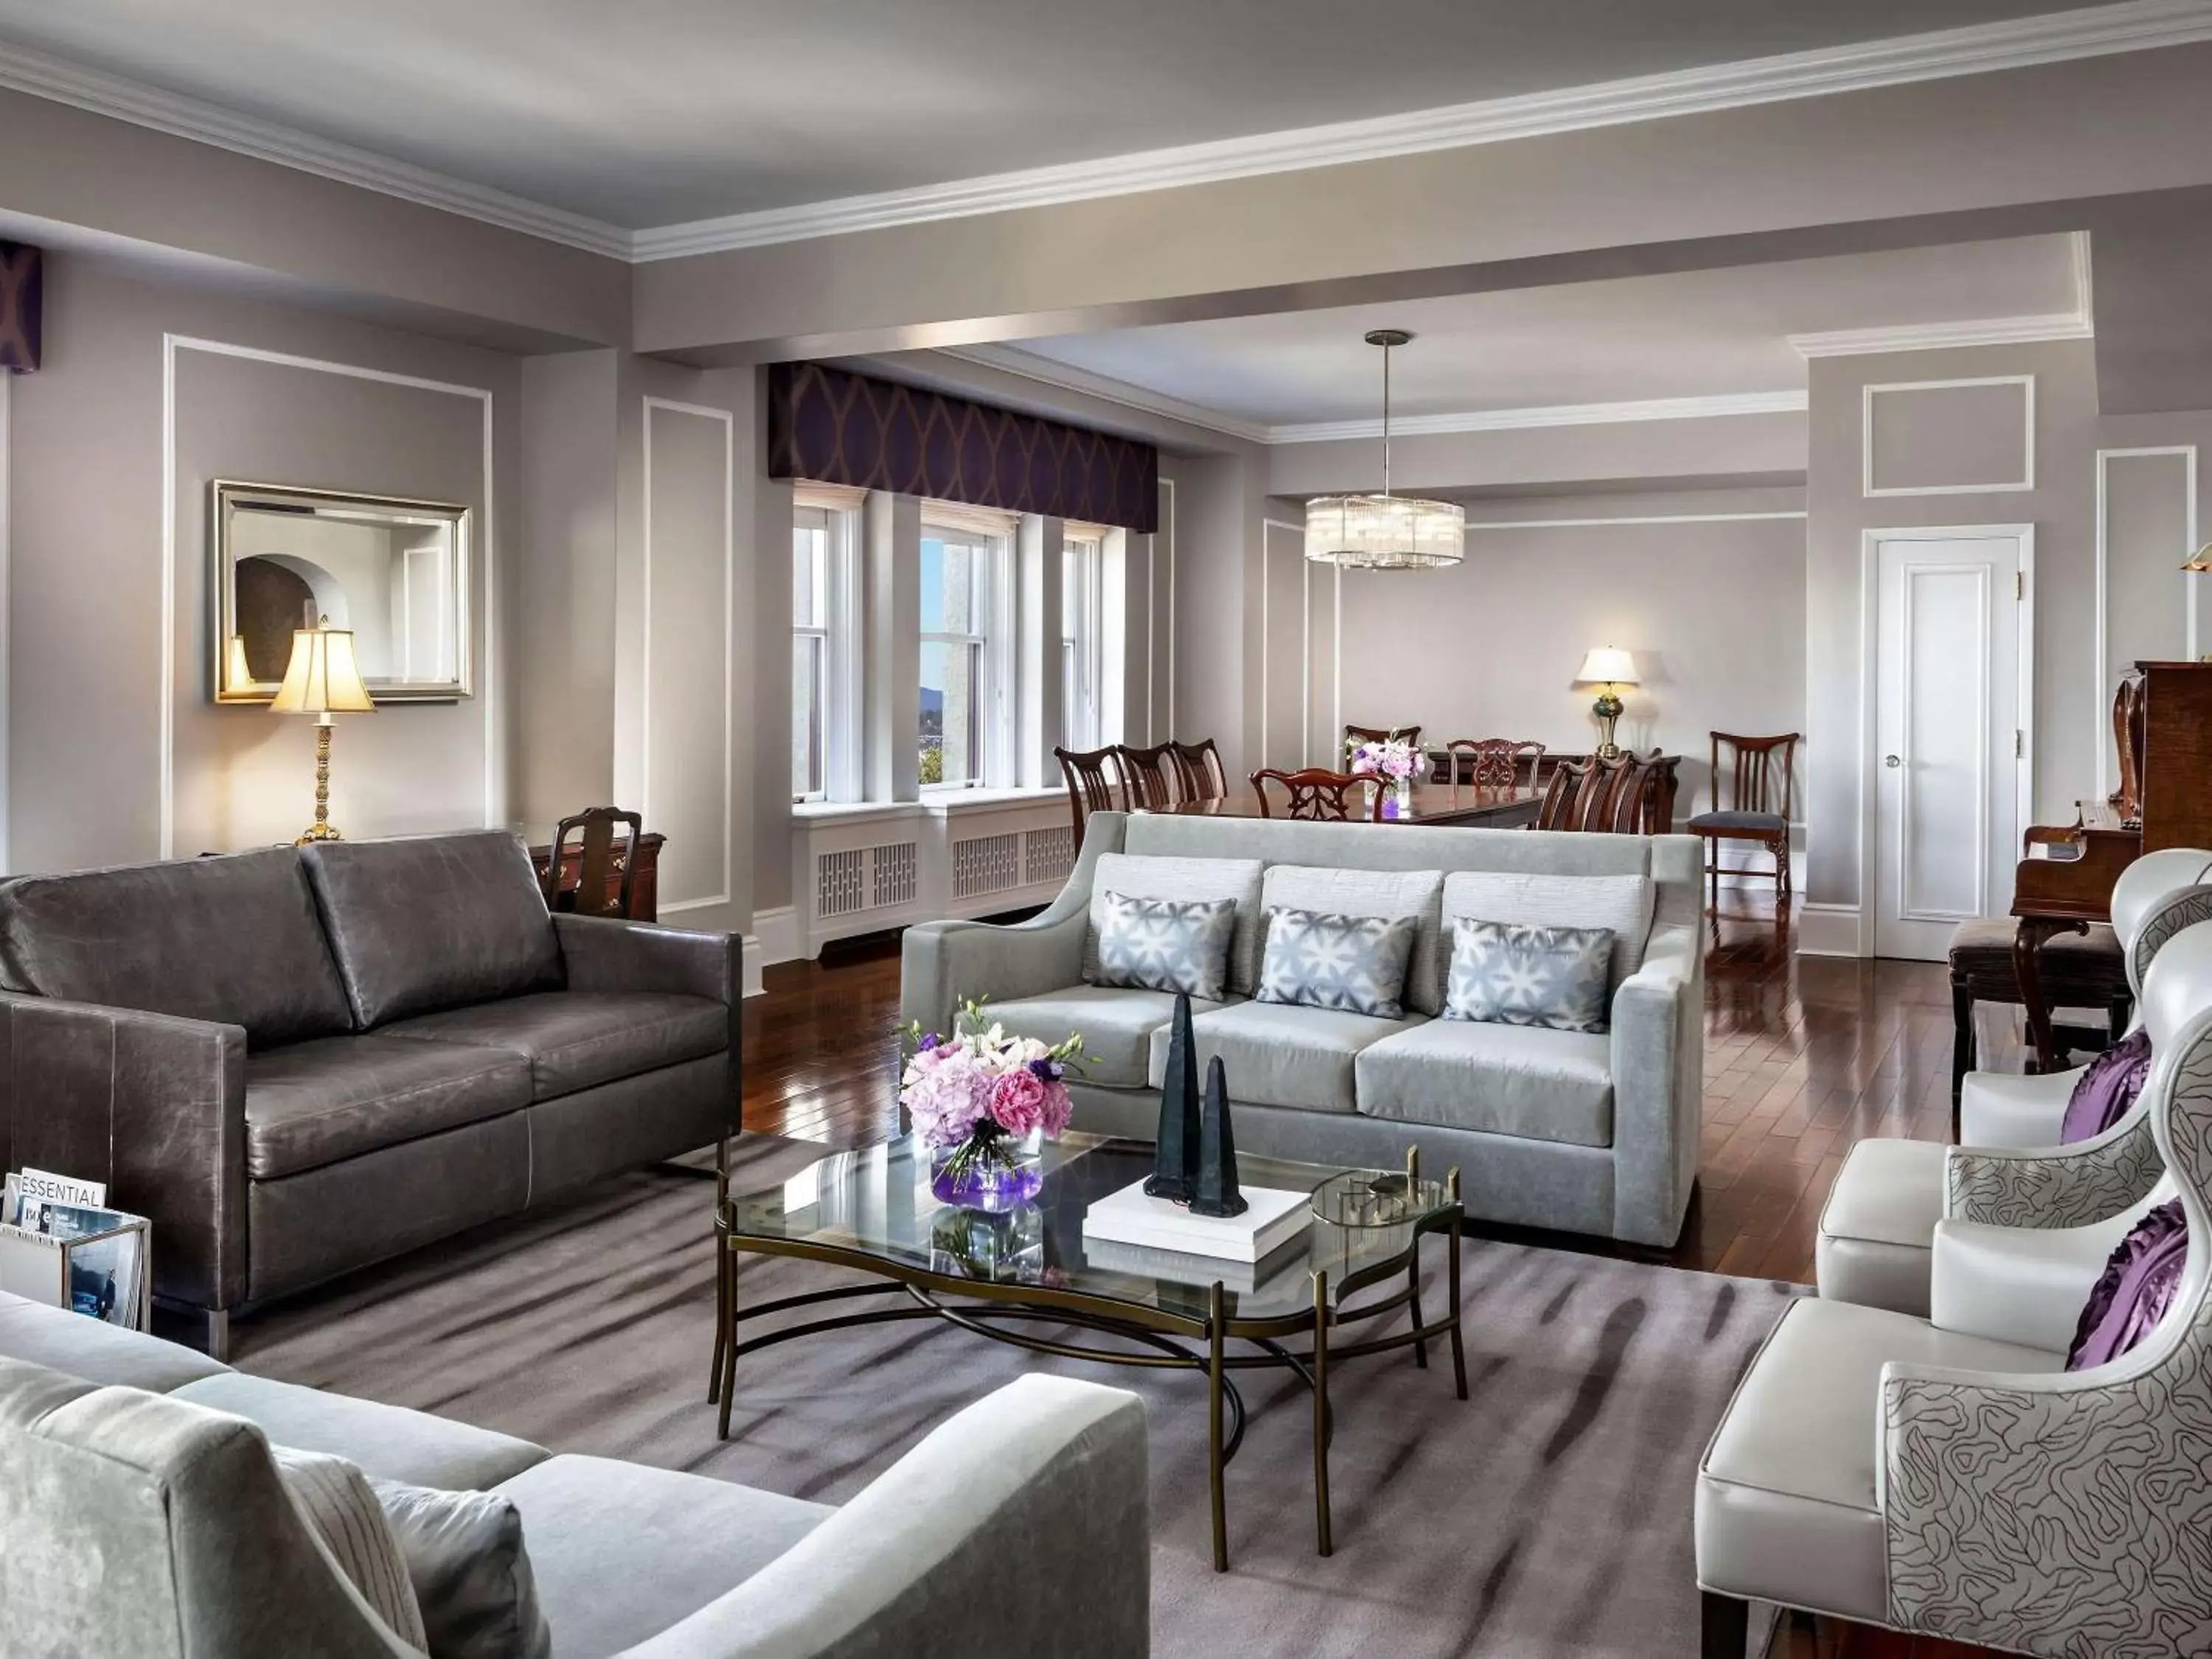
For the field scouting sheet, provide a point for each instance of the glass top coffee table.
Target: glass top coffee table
(1028, 1277)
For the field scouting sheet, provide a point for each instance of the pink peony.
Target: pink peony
(1058, 1109)
(1018, 1102)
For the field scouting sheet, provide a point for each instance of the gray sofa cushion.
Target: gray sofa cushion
(473, 1582)
(433, 922)
(334, 1498)
(1502, 1079)
(1166, 945)
(314, 1104)
(577, 1039)
(1329, 890)
(234, 940)
(390, 1443)
(622, 1552)
(96, 1350)
(1277, 1055)
(1183, 878)
(1620, 904)
(1116, 1026)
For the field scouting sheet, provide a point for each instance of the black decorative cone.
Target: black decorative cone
(1216, 1192)
(1175, 1151)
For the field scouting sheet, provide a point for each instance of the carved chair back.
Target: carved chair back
(1199, 774)
(1089, 789)
(607, 876)
(1493, 762)
(1145, 775)
(1320, 795)
(1760, 774)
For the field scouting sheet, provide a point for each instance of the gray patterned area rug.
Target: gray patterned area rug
(1549, 1514)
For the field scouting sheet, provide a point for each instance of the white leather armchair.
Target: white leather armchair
(1879, 1224)
(1961, 1483)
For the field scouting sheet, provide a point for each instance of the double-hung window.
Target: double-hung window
(967, 696)
(811, 532)
(825, 647)
(1082, 638)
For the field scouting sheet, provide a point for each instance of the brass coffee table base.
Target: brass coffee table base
(1165, 1339)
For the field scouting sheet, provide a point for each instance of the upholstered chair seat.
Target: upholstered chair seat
(1949, 1476)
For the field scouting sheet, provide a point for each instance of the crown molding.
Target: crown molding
(2022, 43)
(1514, 420)
(1935, 337)
(1010, 359)
(64, 83)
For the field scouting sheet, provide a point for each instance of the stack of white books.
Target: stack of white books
(1131, 1217)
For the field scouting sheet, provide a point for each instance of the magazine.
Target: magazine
(67, 1253)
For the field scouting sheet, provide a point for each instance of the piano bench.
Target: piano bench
(2078, 971)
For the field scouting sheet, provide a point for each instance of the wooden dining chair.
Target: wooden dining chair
(1318, 794)
(606, 875)
(1089, 789)
(1144, 776)
(1753, 800)
(1199, 774)
(1620, 796)
(1493, 762)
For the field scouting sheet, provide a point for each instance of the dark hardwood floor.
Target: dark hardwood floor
(1804, 1055)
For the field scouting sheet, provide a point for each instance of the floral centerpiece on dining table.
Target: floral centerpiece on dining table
(1398, 761)
(983, 1101)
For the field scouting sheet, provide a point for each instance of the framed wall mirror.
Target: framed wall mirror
(395, 572)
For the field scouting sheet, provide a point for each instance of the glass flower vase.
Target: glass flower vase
(990, 1170)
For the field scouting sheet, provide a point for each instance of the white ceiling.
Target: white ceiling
(658, 112)
(1697, 334)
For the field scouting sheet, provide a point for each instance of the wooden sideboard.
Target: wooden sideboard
(644, 897)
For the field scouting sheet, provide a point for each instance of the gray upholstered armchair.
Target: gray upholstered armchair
(1903, 1472)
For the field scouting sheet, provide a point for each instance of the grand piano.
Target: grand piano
(2162, 733)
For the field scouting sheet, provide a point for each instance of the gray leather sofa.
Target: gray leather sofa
(141, 1515)
(1586, 1132)
(299, 1062)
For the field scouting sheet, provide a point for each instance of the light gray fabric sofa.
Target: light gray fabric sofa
(140, 1516)
(1587, 1133)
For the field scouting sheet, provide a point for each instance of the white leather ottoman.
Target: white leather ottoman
(1878, 1229)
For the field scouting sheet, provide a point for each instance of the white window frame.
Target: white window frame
(837, 511)
(994, 532)
(1083, 654)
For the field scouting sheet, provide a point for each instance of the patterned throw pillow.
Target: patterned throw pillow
(334, 1499)
(1504, 974)
(1166, 945)
(1355, 965)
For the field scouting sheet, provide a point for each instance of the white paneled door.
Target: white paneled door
(1953, 662)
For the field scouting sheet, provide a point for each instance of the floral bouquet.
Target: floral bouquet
(981, 1099)
(1397, 761)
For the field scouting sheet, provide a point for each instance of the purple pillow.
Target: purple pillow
(2108, 1085)
(2133, 1293)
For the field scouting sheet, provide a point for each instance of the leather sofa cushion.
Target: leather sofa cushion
(433, 922)
(234, 940)
(318, 1103)
(390, 1443)
(577, 1039)
(622, 1552)
(1786, 1505)
(1116, 1026)
(1276, 1054)
(1520, 1081)
(2013, 1109)
(95, 1351)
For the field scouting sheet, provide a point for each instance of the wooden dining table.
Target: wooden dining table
(1434, 804)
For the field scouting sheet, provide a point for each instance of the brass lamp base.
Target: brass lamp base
(322, 829)
(1609, 708)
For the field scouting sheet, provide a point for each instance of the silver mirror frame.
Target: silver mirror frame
(227, 496)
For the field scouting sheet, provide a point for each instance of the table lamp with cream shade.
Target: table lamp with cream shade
(1608, 669)
(322, 680)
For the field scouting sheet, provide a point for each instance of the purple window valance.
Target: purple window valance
(836, 426)
(19, 285)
